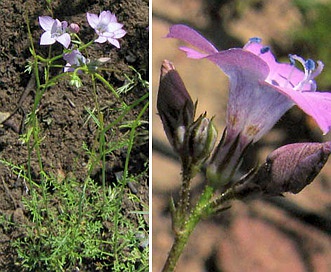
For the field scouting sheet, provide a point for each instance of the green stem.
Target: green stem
(110, 87)
(182, 236)
(203, 208)
(125, 175)
(184, 200)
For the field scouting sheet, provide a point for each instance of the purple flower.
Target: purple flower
(55, 31)
(74, 59)
(107, 27)
(261, 89)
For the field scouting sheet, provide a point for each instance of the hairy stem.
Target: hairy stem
(203, 208)
(182, 236)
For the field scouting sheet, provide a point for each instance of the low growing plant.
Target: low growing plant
(74, 221)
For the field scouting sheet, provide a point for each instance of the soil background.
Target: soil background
(62, 113)
(279, 234)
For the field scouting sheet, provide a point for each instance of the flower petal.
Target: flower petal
(114, 42)
(112, 27)
(56, 27)
(46, 38)
(315, 104)
(119, 33)
(101, 39)
(187, 34)
(68, 68)
(92, 19)
(46, 22)
(64, 39)
(238, 62)
(281, 74)
(192, 53)
(254, 107)
(105, 17)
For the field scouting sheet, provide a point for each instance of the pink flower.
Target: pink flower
(74, 59)
(55, 31)
(261, 89)
(107, 27)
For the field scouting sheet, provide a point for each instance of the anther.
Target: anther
(255, 40)
(310, 65)
(264, 49)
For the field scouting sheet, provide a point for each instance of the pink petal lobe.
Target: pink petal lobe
(46, 22)
(114, 42)
(92, 19)
(237, 61)
(46, 39)
(185, 33)
(64, 40)
(193, 54)
(112, 27)
(255, 48)
(315, 104)
(119, 33)
(105, 17)
(101, 39)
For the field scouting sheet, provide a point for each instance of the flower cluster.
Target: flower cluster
(261, 91)
(105, 25)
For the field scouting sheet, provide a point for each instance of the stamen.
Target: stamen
(292, 63)
(297, 58)
(255, 40)
(310, 65)
(313, 85)
(264, 49)
(310, 73)
(318, 70)
(310, 70)
(292, 60)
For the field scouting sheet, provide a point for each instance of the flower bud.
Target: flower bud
(174, 105)
(200, 139)
(74, 28)
(289, 168)
(75, 81)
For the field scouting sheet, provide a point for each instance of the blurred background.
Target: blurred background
(279, 234)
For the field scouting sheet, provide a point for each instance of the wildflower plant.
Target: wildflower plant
(60, 240)
(261, 91)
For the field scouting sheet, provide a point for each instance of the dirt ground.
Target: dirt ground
(291, 234)
(63, 106)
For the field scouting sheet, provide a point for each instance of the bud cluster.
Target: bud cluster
(192, 140)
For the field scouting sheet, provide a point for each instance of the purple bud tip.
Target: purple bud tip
(255, 40)
(265, 49)
(166, 67)
(310, 65)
